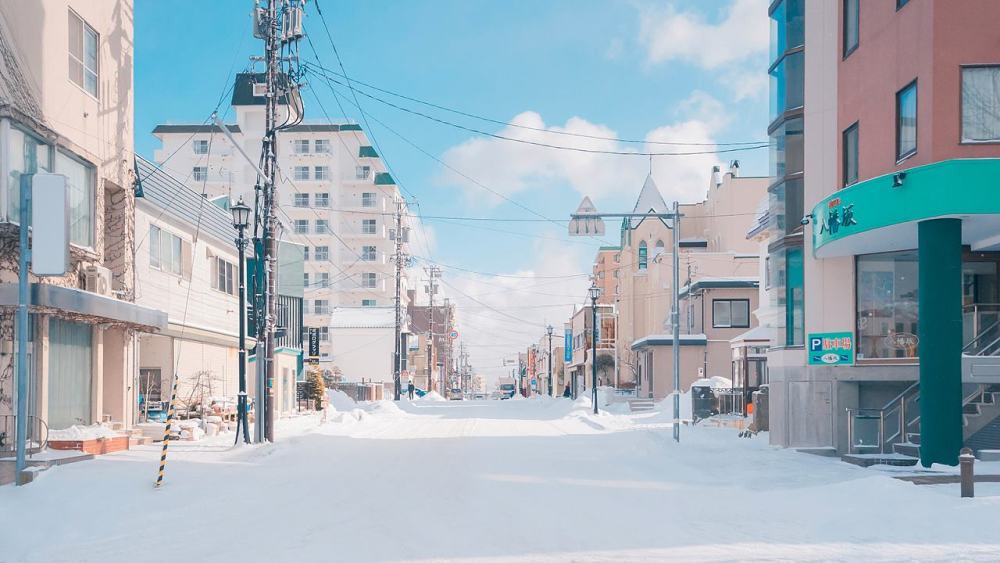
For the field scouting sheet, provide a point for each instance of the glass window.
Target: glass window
(80, 180)
(305, 253)
(362, 172)
(165, 251)
(200, 146)
(367, 302)
(300, 146)
(25, 155)
(368, 280)
(301, 226)
(368, 253)
(321, 307)
(324, 334)
(785, 207)
(787, 149)
(199, 173)
(323, 145)
(321, 253)
(83, 61)
(787, 84)
(301, 200)
(305, 280)
(851, 25)
(368, 199)
(901, 3)
(980, 104)
(787, 280)
(787, 27)
(323, 199)
(301, 173)
(731, 313)
(850, 147)
(322, 226)
(368, 226)
(324, 279)
(321, 173)
(223, 276)
(642, 255)
(906, 121)
(887, 305)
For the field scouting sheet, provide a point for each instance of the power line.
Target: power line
(539, 143)
(527, 127)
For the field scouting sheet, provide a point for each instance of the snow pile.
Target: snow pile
(78, 433)
(339, 401)
(715, 382)
(433, 396)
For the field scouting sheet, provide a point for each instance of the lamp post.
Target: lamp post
(548, 330)
(241, 218)
(595, 292)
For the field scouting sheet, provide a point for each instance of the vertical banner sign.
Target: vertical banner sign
(313, 343)
(568, 345)
(831, 349)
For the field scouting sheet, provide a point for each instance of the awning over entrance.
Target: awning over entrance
(668, 340)
(86, 304)
(881, 214)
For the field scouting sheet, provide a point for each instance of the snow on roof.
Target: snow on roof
(667, 340)
(650, 200)
(761, 218)
(363, 317)
(755, 333)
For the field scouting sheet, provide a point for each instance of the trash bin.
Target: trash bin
(704, 403)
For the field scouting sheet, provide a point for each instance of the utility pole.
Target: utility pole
(279, 84)
(433, 273)
(398, 236)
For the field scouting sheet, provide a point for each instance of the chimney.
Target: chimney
(734, 168)
(716, 177)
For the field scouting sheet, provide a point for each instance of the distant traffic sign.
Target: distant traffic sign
(453, 335)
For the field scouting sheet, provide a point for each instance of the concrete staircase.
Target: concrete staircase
(641, 405)
(978, 411)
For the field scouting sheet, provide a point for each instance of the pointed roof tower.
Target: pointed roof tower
(650, 201)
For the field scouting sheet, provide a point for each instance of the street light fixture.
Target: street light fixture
(241, 219)
(548, 331)
(595, 292)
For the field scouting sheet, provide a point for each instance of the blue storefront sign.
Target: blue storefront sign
(568, 345)
(831, 348)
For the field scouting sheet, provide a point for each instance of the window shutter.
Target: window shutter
(186, 260)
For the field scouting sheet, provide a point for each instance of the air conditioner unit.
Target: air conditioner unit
(98, 280)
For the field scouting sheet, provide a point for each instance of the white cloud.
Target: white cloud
(667, 34)
(510, 168)
(745, 85)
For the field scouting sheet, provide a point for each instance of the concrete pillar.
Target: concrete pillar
(940, 334)
(97, 375)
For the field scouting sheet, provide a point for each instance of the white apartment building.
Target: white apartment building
(337, 198)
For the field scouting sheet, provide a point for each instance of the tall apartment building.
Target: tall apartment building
(337, 198)
(66, 108)
(891, 336)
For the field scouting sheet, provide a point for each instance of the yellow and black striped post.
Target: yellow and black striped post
(166, 434)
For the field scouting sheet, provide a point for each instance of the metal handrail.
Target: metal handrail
(38, 434)
(981, 334)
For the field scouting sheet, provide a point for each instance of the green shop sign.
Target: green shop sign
(831, 349)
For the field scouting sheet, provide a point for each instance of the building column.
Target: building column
(940, 338)
(97, 375)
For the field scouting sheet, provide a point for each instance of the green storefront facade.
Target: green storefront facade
(925, 241)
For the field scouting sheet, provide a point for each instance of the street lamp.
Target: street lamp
(548, 330)
(241, 218)
(595, 292)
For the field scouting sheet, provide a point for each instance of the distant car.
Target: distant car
(455, 395)
(507, 390)
(479, 396)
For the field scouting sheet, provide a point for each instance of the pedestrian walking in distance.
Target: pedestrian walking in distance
(409, 389)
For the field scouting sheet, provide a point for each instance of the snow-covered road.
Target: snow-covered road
(536, 480)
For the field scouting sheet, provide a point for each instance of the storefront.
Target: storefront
(926, 250)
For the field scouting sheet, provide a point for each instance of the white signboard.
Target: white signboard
(49, 225)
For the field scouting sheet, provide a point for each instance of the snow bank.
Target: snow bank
(339, 400)
(75, 433)
(715, 382)
(433, 396)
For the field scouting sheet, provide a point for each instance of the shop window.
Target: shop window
(981, 104)
(887, 313)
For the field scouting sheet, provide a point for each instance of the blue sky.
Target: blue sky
(690, 71)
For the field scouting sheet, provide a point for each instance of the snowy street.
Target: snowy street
(539, 480)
